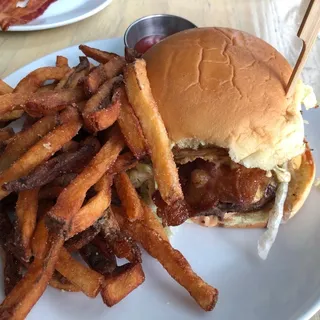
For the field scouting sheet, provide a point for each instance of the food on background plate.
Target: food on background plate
(61, 172)
(237, 139)
(12, 14)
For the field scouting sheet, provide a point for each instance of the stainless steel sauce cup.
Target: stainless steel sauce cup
(157, 24)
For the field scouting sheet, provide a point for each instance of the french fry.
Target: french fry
(152, 221)
(100, 112)
(40, 103)
(11, 115)
(102, 262)
(94, 208)
(27, 292)
(145, 107)
(39, 247)
(114, 239)
(96, 54)
(5, 134)
(83, 238)
(172, 260)
(86, 279)
(75, 75)
(128, 196)
(33, 81)
(12, 273)
(55, 167)
(61, 283)
(39, 239)
(23, 140)
(102, 73)
(26, 217)
(62, 61)
(44, 103)
(71, 199)
(130, 126)
(4, 88)
(119, 285)
(43, 149)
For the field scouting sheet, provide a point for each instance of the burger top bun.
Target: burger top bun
(224, 87)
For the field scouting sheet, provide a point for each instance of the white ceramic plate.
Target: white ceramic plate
(63, 12)
(286, 286)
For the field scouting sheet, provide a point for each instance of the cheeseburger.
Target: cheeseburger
(237, 139)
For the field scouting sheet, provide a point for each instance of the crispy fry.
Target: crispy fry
(114, 239)
(102, 73)
(65, 209)
(172, 260)
(45, 103)
(28, 291)
(38, 242)
(96, 54)
(62, 61)
(145, 107)
(40, 103)
(5, 134)
(75, 76)
(103, 262)
(13, 272)
(23, 140)
(130, 126)
(95, 207)
(119, 285)
(26, 214)
(83, 238)
(59, 282)
(33, 81)
(11, 115)
(128, 196)
(152, 221)
(87, 280)
(4, 88)
(43, 149)
(51, 169)
(100, 112)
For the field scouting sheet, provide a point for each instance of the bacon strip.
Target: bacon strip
(18, 15)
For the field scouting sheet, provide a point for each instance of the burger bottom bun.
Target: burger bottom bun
(302, 169)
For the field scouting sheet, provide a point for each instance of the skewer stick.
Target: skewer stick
(308, 31)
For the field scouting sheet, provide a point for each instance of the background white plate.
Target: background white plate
(63, 12)
(285, 287)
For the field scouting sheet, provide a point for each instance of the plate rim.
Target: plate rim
(26, 27)
(305, 314)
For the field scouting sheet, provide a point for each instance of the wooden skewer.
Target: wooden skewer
(308, 32)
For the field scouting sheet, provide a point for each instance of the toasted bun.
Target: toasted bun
(302, 171)
(223, 87)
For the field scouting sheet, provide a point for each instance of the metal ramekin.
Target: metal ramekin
(157, 24)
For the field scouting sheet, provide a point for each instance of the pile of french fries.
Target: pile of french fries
(64, 189)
